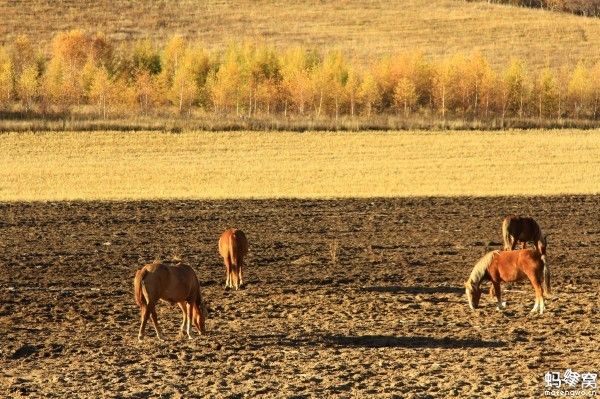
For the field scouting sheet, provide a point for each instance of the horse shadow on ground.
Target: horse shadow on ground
(371, 341)
(415, 290)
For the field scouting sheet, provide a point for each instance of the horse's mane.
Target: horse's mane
(480, 268)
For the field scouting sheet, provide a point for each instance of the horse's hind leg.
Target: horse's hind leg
(540, 294)
(154, 317)
(241, 278)
(539, 298)
(227, 272)
(145, 313)
(235, 276)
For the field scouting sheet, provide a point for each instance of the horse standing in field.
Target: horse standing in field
(175, 284)
(522, 229)
(509, 266)
(233, 246)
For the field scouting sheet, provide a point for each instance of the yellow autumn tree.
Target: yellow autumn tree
(101, 90)
(368, 93)
(296, 68)
(172, 56)
(405, 95)
(515, 86)
(6, 78)
(333, 76)
(352, 89)
(184, 89)
(441, 85)
(28, 87)
(545, 93)
(595, 89)
(146, 91)
(62, 83)
(264, 73)
(226, 84)
(579, 90)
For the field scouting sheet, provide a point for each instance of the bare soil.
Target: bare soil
(344, 298)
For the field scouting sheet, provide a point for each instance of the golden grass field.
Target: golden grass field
(361, 29)
(203, 165)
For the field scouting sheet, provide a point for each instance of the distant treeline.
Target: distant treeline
(85, 74)
(579, 7)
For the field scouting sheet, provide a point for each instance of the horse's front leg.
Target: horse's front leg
(145, 313)
(183, 319)
(190, 315)
(496, 288)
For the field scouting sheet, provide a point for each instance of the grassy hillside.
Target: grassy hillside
(437, 27)
(109, 165)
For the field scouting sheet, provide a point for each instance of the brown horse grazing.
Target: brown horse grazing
(233, 246)
(522, 229)
(508, 266)
(175, 284)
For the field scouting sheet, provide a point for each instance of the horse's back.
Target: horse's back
(520, 258)
(239, 240)
(522, 227)
(515, 265)
(171, 283)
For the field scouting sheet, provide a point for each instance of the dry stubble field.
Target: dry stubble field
(220, 165)
(387, 319)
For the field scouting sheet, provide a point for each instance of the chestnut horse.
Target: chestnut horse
(522, 229)
(508, 266)
(175, 284)
(233, 246)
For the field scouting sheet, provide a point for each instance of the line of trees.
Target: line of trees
(579, 7)
(86, 72)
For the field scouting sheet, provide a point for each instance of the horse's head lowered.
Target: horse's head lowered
(202, 314)
(473, 294)
(542, 243)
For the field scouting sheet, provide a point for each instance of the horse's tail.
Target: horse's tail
(546, 277)
(233, 249)
(138, 287)
(505, 233)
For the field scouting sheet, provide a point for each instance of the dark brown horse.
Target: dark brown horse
(175, 284)
(522, 229)
(233, 246)
(508, 266)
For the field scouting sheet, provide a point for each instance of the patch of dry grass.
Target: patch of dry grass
(148, 165)
(361, 29)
